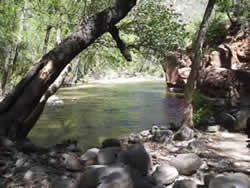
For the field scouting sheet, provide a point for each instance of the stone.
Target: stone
(145, 133)
(137, 158)
(55, 101)
(165, 174)
(115, 177)
(90, 156)
(108, 155)
(35, 173)
(111, 142)
(185, 184)
(184, 133)
(135, 138)
(186, 164)
(241, 119)
(226, 120)
(160, 135)
(89, 178)
(71, 161)
(237, 180)
(213, 128)
(6, 143)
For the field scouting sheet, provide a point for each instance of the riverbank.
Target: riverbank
(155, 158)
(97, 82)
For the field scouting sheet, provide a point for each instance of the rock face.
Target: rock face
(187, 163)
(226, 72)
(165, 174)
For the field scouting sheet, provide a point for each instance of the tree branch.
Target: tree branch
(120, 44)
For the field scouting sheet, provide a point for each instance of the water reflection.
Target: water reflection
(106, 111)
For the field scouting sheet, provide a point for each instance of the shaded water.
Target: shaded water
(111, 110)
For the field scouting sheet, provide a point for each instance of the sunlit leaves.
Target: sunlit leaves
(157, 27)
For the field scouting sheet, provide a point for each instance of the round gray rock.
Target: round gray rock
(90, 156)
(187, 163)
(108, 155)
(165, 174)
(137, 158)
(111, 142)
(115, 177)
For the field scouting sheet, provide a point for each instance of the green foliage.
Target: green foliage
(149, 30)
(202, 110)
(237, 10)
(216, 32)
(157, 27)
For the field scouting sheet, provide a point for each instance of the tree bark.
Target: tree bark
(46, 40)
(196, 62)
(22, 101)
(5, 69)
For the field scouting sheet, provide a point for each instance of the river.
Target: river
(110, 110)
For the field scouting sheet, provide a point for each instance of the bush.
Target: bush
(202, 110)
(216, 32)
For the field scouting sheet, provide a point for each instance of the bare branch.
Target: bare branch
(120, 44)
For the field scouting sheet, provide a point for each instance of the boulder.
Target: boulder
(165, 174)
(89, 178)
(186, 164)
(241, 119)
(185, 184)
(55, 100)
(237, 180)
(35, 174)
(90, 156)
(6, 143)
(213, 128)
(115, 177)
(161, 135)
(108, 155)
(71, 161)
(137, 158)
(184, 133)
(227, 120)
(111, 142)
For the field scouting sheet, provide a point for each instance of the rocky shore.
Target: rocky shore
(161, 157)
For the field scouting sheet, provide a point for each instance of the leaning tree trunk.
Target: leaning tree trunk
(21, 102)
(193, 76)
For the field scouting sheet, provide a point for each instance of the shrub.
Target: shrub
(202, 110)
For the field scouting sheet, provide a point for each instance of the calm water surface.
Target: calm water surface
(111, 110)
